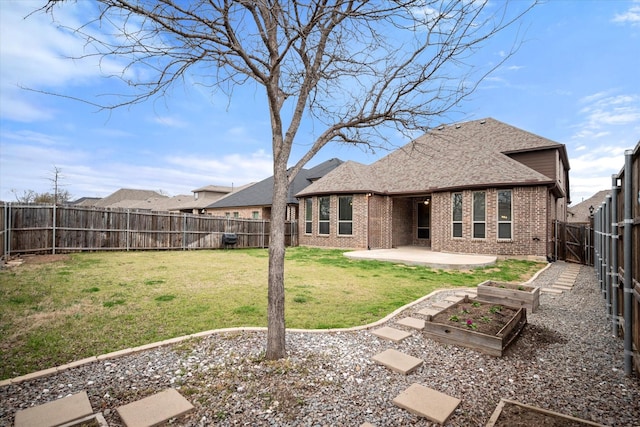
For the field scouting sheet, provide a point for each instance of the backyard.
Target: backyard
(80, 305)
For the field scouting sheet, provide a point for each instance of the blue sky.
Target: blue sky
(574, 80)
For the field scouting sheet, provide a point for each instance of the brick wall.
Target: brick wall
(358, 238)
(530, 230)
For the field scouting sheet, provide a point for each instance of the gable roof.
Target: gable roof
(125, 197)
(580, 211)
(261, 193)
(465, 155)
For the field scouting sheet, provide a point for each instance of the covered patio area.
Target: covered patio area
(415, 255)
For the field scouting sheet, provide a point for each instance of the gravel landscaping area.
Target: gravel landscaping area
(565, 360)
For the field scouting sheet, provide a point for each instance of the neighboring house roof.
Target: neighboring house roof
(85, 201)
(580, 211)
(464, 155)
(261, 193)
(214, 189)
(126, 196)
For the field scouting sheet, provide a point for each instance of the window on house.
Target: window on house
(236, 214)
(323, 215)
(424, 219)
(345, 215)
(255, 215)
(456, 222)
(308, 215)
(479, 215)
(505, 215)
(227, 215)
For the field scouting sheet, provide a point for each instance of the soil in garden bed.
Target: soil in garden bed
(483, 317)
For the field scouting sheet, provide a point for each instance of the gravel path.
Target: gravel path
(565, 360)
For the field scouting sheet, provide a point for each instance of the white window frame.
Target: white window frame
(475, 221)
(509, 220)
(308, 216)
(322, 221)
(454, 221)
(348, 221)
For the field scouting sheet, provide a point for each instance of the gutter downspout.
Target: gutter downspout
(628, 262)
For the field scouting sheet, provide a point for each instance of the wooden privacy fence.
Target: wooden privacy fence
(59, 229)
(617, 256)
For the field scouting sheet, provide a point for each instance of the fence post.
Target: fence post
(128, 231)
(614, 255)
(7, 231)
(53, 233)
(606, 211)
(184, 231)
(628, 262)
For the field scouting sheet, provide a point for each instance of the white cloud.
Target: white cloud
(35, 54)
(631, 16)
(604, 110)
(168, 121)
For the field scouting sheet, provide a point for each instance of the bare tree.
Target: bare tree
(58, 195)
(55, 179)
(352, 68)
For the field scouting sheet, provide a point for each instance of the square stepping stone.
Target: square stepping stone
(412, 322)
(553, 291)
(442, 304)
(397, 361)
(453, 299)
(391, 334)
(367, 425)
(562, 287)
(429, 311)
(55, 413)
(155, 409)
(427, 402)
(565, 281)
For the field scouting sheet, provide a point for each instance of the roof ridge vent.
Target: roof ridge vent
(458, 126)
(483, 122)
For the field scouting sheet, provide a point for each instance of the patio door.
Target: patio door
(423, 229)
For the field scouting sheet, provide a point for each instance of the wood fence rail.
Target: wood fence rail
(59, 229)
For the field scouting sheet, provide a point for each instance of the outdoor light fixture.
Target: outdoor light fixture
(591, 210)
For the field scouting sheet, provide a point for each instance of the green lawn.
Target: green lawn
(95, 303)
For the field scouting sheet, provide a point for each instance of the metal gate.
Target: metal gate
(574, 243)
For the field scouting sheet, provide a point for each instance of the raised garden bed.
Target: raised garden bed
(510, 413)
(476, 324)
(511, 294)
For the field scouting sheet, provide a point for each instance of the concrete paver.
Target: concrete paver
(454, 299)
(553, 291)
(391, 334)
(397, 361)
(427, 402)
(155, 409)
(55, 413)
(442, 304)
(429, 311)
(412, 322)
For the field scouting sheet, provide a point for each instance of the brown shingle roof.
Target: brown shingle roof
(464, 155)
(580, 211)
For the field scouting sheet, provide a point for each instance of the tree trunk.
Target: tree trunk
(276, 344)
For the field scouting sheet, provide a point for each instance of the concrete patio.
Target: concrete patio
(414, 255)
